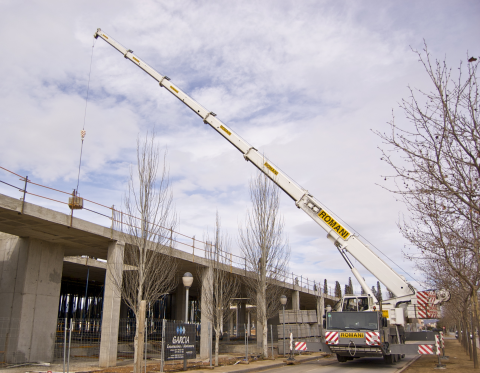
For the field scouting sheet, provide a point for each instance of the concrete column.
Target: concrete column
(111, 305)
(249, 321)
(296, 300)
(123, 316)
(30, 279)
(205, 317)
(241, 318)
(320, 312)
(180, 302)
(230, 324)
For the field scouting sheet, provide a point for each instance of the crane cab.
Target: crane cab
(353, 303)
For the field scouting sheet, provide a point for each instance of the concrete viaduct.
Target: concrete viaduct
(38, 246)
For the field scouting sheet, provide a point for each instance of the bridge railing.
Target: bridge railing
(120, 221)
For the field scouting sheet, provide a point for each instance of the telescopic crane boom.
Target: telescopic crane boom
(344, 240)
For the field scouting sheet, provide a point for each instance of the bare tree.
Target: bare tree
(223, 285)
(266, 252)
(438, 173)
(459, 309)
(147, 221)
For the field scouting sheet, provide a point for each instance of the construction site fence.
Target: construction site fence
(79, 340)
(118, 220)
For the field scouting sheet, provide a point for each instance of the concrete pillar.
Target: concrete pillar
(30, 279)
(296, 300)
(249, 321)
(241, 318)
(230, 323)
(320, 312)
(111, 305)
(180, 302)
(205, 317)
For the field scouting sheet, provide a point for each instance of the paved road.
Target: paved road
(354, 366)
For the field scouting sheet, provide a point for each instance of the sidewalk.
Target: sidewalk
(457, 361)
(126, 366)
(260, 365)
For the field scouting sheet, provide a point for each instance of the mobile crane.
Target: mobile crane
(367, 327)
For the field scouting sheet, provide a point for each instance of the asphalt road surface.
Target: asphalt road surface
(362, 365)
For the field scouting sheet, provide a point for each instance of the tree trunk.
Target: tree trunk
(217, 343)
(474, 328)
(139, 338)
(467, 337)
(265, 337)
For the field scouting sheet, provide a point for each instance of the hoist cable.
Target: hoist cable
(83, 132)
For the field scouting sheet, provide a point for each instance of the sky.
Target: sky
(306, 83)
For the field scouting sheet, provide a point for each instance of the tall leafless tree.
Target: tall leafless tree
(459, 309)
(223, 285)
(266, 252)
(436, 163)
(147, 221)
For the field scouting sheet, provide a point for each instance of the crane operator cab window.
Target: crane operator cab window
(355, 304)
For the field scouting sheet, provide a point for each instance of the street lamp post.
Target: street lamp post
(283, 301)
(187, 282)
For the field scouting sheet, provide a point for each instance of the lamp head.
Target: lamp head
(187, 279)
(283, 300)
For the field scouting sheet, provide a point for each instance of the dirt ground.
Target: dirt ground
(174, 366)
(458, 360)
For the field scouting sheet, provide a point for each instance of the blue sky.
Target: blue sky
(303, 82)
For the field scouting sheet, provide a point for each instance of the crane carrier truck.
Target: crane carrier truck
(361, 325)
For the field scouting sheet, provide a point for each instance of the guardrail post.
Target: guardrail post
(71, 214)
(113, 220)
(193, 251)
(24, 192)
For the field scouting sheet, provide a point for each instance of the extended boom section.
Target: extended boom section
(365, 327)
(337, 232)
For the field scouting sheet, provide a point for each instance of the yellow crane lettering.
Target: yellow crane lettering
(334, 224)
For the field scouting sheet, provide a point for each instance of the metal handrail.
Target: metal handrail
(233, 260)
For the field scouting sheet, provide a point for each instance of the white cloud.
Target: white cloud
(302, 82)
